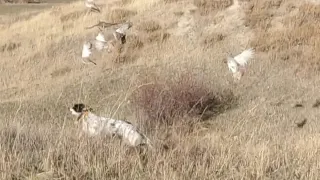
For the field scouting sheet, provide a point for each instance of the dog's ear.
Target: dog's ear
(78, 107)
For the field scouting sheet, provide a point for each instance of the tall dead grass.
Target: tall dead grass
(206, 7)
(254, 141)
(296, 42)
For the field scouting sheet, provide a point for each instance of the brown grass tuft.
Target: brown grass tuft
(120, 15)
(213, 38)
(149, 26)
(208, 6)
(158, 36)
(166, 100)
(10, 46)
(134, 42)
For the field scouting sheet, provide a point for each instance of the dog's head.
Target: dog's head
(79, 109)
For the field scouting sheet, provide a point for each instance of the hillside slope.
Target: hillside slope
(42, 76)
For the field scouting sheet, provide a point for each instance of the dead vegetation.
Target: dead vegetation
(206, 7)
(211, 39)
(128, 52)
(10, 46)
(72, 15)
(186, 111)
(166, 100)
(120, 15)
(21, 1)
(289, 43)
(158, 36)
(149, 26)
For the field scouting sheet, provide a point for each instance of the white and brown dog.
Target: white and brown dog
(94, 125)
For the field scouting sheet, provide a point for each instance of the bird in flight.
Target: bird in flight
(102, 25)
(237, 64)
(120, 33)
(86, 52)
(100, 42)
(93, 7)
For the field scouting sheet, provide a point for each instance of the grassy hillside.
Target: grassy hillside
(174, 58)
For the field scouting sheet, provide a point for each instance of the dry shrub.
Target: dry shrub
(72, 16)
(149, 26)
(120, 15)
(166, 100)
(210, 40)
(208, 6)
(159, 36)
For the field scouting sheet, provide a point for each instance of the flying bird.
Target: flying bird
(100, 42)
(86, 52)
(102, 25)
(93, 7)
(120, 33)
(237, 64)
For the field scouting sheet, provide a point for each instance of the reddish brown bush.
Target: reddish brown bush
(163, 101)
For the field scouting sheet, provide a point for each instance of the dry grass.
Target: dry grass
(120, 15)
(41, 77)
(208, 6)
(213, 38)
(128, 52)
(149, 26)
(290, 43)
(20, 1)
(159, 37)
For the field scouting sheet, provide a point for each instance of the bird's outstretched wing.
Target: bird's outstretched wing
(86, 50)
(243, 58)
(124, 27)
(100, 37)
(232, 65)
